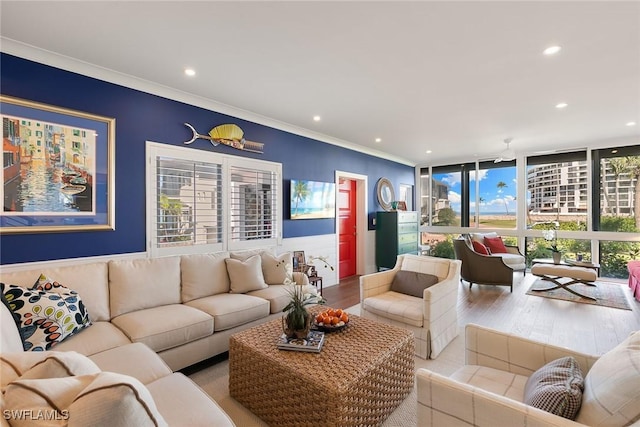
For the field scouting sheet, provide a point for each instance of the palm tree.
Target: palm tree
(502, 185)
(618, 167)
(300, 192)
(633, 169)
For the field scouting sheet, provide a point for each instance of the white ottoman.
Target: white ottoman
(553, 272)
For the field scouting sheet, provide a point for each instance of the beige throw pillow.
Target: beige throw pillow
(245, 276)
(44, 364)
(102, 399)
(612, 387)
(277, 270)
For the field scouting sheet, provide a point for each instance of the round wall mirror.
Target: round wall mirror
(386, 194)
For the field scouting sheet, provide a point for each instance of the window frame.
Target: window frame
(153, 150)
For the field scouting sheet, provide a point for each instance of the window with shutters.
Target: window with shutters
(205, 202)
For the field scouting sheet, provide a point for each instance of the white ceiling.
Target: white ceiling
(453, 77)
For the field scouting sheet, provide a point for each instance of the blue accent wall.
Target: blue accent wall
(142, 116)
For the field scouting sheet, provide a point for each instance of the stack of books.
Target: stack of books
(312, 343)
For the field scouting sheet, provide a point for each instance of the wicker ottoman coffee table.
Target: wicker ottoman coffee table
(361, 375)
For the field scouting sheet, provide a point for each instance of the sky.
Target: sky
(495, 200)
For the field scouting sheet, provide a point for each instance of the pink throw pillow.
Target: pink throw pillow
(480, 248)
(495, 245)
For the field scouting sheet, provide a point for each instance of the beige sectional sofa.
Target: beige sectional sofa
(184, 308)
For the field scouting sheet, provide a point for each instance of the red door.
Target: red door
(347, 227)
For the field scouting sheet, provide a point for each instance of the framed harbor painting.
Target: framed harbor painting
(58, 169)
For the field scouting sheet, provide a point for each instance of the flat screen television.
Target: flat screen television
(312, 199)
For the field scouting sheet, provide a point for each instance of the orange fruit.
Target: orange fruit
(344, 317)
(326, 320)
(330, 312)
(338, 312)
(335, 320)
(319, 318)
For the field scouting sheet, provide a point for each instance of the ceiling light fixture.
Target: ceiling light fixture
(428, 151)
(378, 139)
(190, 72)
(507, 155)
(552, 50)
(631, 123)
(316, 118)
(561, 105)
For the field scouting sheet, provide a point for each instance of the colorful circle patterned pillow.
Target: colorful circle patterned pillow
(48, 313)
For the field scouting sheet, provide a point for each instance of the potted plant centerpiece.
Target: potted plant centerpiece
(297, 320)
(552, 236)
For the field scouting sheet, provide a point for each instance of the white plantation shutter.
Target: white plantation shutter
(205, 202)
(253, 204)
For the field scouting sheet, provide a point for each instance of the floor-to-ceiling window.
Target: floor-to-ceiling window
(591, 198)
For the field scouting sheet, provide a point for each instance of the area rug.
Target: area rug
(606, 294)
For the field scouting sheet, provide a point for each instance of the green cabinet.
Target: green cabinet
(396, 234)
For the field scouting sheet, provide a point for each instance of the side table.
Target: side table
(314, 281)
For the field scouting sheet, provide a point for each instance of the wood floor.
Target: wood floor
(583, 327)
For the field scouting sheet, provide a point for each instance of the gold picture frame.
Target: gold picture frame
(59, 169)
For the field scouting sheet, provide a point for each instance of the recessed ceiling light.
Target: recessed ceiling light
(316, 118)
(614, 151)
(428, 151)
(631, 124)
(190, 72)
(378, 139)
(562, 105)
(551, 50)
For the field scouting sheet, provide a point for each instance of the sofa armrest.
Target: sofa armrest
(513, 250)
(376, 283)
(508, 352)
(443, 401)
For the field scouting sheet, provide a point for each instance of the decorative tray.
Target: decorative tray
(330, 320)
(329, 328)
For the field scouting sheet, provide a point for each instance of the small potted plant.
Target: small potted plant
(552, 236)
(297, 320)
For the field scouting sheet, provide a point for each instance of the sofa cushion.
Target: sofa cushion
(245, 275)
(556, 388)
(279, 295)
(43, 364)
(612, 387)
(90, 280)
(246, 254)
(515, 261)
(136, 360)
(479, 237)
(396, 306)
(480, 248)
(101, 399)
(495, 245)
(203, 275)
(412, 283)
(165, 327)
(231, 310)
(182, 403)
(277, 269)
(496, 381)
(143, 283)
(99, 337)
(46, 317)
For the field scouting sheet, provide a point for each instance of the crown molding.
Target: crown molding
(46, 57)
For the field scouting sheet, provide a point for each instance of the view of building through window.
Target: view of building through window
(560, 194)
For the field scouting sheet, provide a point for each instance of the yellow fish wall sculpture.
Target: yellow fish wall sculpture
(228, 134)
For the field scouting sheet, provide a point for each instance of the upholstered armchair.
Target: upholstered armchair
(488, 269)
(510, 381)
(431, 316)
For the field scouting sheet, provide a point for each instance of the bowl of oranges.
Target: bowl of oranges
(330, 320)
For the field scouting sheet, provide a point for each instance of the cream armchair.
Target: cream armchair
(433, 318)
(489, 390)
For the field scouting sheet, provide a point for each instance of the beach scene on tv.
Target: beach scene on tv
(312, 199)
